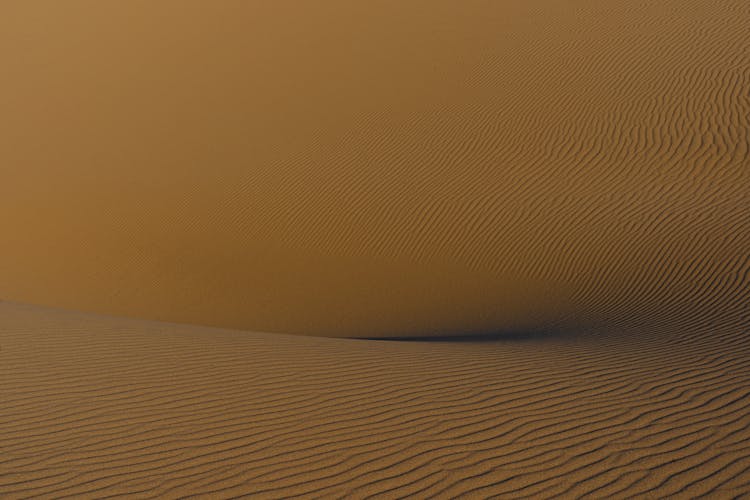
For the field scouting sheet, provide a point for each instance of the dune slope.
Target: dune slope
(514, 165)
(101, 407)
(569, 181)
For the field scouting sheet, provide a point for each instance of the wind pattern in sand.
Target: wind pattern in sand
(100, 407)
(555, 197)
(522, 166)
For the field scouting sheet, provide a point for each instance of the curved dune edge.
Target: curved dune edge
(381, 168)
(97, 406)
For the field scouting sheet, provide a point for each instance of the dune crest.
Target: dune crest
(214, 164)
(546, 203)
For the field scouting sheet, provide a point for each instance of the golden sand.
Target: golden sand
(98, 407)
(342, 169)
(570, 181)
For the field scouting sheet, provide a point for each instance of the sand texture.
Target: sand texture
(99, 407)
(547, 204)
(377, 168)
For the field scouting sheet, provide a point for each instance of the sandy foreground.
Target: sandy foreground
(547, 203)
(98, 406)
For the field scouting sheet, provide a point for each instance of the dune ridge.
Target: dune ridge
(218, 167)
(547, 204)
(103, 407)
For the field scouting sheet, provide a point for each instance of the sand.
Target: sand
(553, 197)
(97, 406)
(511, 165)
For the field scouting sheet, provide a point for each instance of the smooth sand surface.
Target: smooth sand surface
(376, 168)
(554, 196)
(96, 406)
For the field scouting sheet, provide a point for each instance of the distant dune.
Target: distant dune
(546, 203)
(378, 169)
(100, 407)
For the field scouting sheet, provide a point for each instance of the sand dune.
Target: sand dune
(515, 165)
(553, 196)
(96, 406)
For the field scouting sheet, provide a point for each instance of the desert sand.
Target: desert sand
(214, 214)
(99, 407)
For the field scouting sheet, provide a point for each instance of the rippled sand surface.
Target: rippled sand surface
(554, 198)
(386, 169)
(98, 407)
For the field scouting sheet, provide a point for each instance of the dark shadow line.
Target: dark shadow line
(475, 338)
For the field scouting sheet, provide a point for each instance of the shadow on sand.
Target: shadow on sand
(511, 336)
